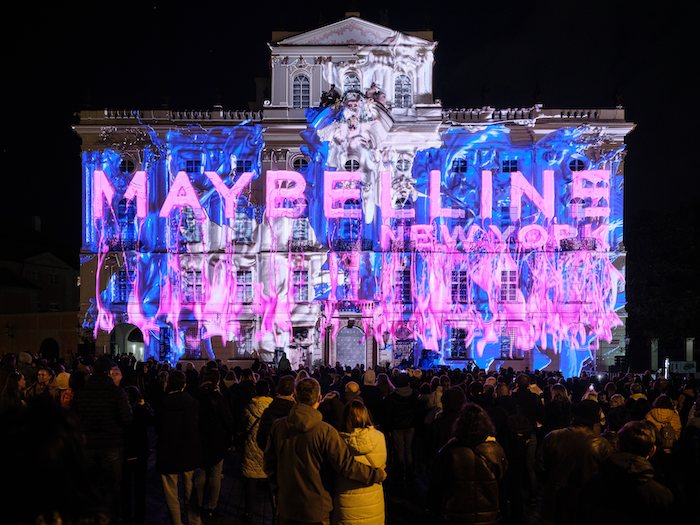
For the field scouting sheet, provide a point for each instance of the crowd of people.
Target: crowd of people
(621, 448)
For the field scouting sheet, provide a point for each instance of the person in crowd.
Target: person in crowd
(179, 448)
(356, 503)
(628, 472)
(557, 412)
(241, 394)
(216, 430)
(45, 476)
(664, 414)
(65, 392)
(567, 458)
(116, 374)
(441, 428)
(13, 395)
(532, 406)
(435, 401)
(385, 385)
(372, 398)
(136, 452)
(465, 473)
(27, 367)
(252, 459)
(45, 386)
(8, 367)
(104, 412)
(278, 408)
(400, 408)
(300, 449)
(333, 404)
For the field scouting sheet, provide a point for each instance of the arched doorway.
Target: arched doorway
(49, 349)
(127, 339)
(351, 346)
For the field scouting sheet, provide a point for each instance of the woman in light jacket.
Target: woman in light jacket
(355, 503)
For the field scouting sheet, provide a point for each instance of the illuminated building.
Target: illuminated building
(379, 226)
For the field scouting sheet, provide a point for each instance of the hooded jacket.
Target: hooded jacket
(636, 497)
(355, 502)
(401, 408)
(302, 458)
(665, 416)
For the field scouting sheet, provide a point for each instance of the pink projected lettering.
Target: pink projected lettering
(519, 186)
(388, 211)
(102, 189)
(230, 195)
(284, 186)
(486, 193)
(594, 185)
(181, 194)
(137, 191)
(335, 198)
(435, 209)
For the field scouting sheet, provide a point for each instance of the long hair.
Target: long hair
(355, 415)
(559, 393)
(473, 425)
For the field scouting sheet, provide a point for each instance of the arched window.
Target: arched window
(402, 92)
(352, 165)
(351, 83)
(302, 92)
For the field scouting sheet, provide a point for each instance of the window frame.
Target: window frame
(301, 92)
(403, 91)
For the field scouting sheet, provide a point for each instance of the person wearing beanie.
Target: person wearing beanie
(65, 392)
(567, 458)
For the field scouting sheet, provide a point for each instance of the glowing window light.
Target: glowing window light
(243, 226)
(192, 286)
(509, 286)
(301, 92)
(402, 92)
(300, 285)
(244, 286)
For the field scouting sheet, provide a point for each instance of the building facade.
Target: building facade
(355, 219)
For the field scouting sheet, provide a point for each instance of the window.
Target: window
(53, 307)
(350, 228)
(301, 95)
(126, 166)
(36, 276)
(402, 288)
(300, 164)
(245, 343)
(54, 278)
(243, 166)
(300, 229)
(122, 291)
(403, 165)
(509, 338)
(352, 165)
(509, 286)
(458, 344)
(460, 293)
(459, 165)
(402, 92)
(300, 285)
(577, 165)
(192, 286)
(164, 343)
(243, 226)
(351, 83)
(244, 286)
(509, 166)
(192, 342)
(189, 225)
(193, 166)
(126, 218)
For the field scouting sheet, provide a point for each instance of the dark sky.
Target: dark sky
(61, 57)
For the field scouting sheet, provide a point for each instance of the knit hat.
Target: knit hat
(370, 377)
(62, 380)
(491, 381)
(587, 412)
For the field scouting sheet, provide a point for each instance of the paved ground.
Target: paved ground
(405, 504)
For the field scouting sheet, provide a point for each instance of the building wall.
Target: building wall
(446, 236)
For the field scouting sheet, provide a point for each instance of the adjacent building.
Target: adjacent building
(355, 219)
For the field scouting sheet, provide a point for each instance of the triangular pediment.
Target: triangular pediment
(47, 259)
(350, 31)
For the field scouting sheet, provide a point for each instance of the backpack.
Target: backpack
(518, 433)
(666, 436)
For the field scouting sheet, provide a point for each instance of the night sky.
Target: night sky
(59, 58)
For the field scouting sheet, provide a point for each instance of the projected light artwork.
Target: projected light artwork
(482, 248)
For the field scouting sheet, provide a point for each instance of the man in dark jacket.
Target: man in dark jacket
(567, 458)
(532, 405)
(302, 457)
(179, 448)
(637, 497)
(333, 405)
(104, 411)
(279, 408)
(401, 406)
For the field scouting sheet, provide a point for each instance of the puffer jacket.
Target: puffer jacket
(252, 462)
(464, 482)
(356, 503)
(665, 416)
